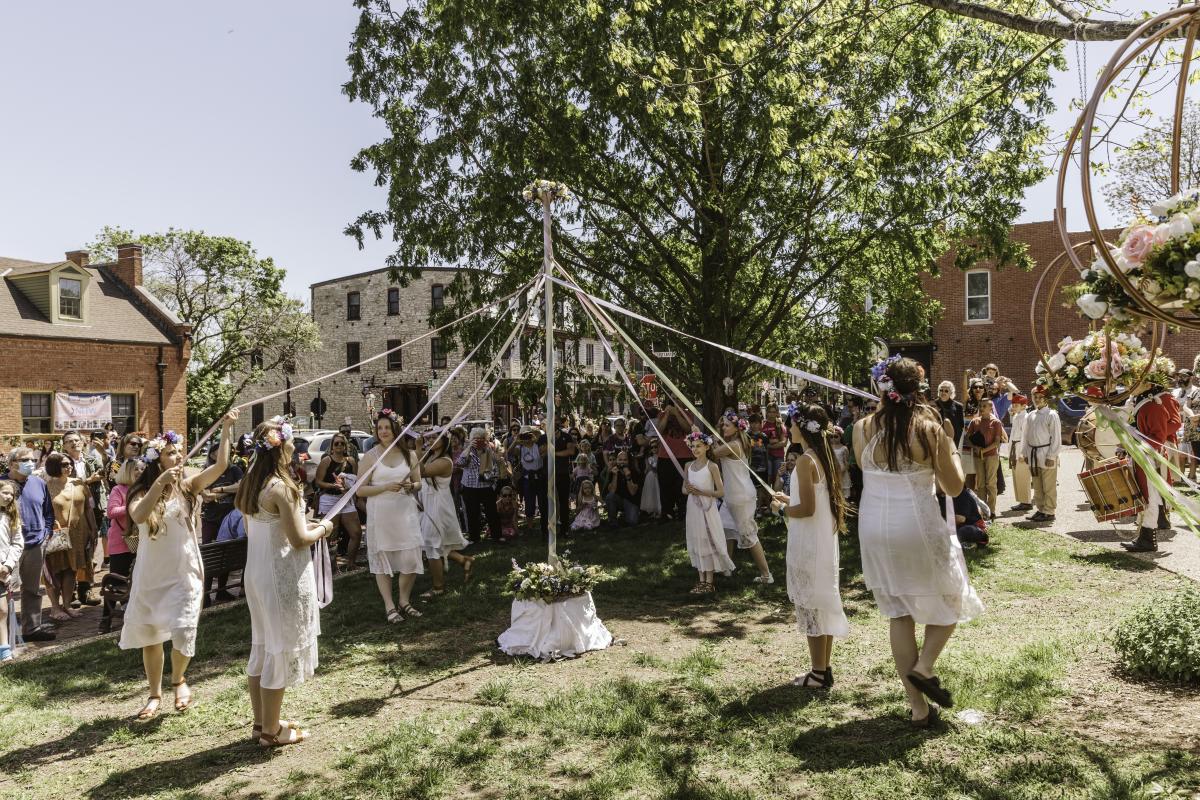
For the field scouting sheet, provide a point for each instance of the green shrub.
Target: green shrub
(1162, 638)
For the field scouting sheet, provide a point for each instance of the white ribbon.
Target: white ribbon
(207, 434)
(766, 362)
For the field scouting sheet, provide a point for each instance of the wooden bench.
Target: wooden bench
(224, 558)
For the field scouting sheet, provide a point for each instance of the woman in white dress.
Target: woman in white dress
(815, 512)
(741, 499)
(912, 560)
(702, 527)
(279, 584)
(441, 534)
(393, 520)
(167, 583)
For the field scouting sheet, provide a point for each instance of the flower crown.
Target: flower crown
(813, 426)
(275, 436)
(698, 436)
(155, 446)
(793, 409)
(387, 413)
(737, 422)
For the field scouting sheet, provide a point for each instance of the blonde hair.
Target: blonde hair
(146, 480)
(128, 472)
(13, 512)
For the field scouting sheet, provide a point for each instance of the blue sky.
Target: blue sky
(223, 116)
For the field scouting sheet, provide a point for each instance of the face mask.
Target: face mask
(25, 468)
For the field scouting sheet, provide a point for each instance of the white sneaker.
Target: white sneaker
(766, 581)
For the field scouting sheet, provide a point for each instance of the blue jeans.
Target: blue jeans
(773, 465)
(621, 506)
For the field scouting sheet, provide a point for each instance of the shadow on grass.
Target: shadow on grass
(80, 743)
(179, 774)
(860, 743)
(1113, 560)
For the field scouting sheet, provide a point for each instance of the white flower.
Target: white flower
(1056, 362)
(1192, 268)
(1150, 288)
(1191, 293)
(1094, 308)
(1164, 207)
(1162, 233)
(1075, 356)
(1072, 371)
(1179, 227)
(812, 426)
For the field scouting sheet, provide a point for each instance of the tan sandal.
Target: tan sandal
(256, 730)
(150, 710)
(296, 735)
(184, 704)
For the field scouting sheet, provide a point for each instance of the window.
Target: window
(256, 415)
(437, 297)
(353, 306)
(979, 296)
(124, 413)
(70, 294)
(607, 361)
(393, 302)
(393, 359)
(35, 413)
(256, 360)
(352, 357)
(437, 353)
(589, 354)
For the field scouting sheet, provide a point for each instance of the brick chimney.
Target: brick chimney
(129, 264)
(78, 257)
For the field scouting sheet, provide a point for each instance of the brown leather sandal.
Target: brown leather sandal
(185, 703)
(151, 709)
(275, 740)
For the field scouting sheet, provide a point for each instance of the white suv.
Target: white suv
(313, 445)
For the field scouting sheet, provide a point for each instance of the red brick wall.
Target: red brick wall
(52, 365)
(1007, 340)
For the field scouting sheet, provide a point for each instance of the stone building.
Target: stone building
(986, 314)
(365, 314)
(72, 329)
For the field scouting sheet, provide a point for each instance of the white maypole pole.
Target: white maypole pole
(547, 192)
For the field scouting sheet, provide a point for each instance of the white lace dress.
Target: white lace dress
(912, 560)
(281, 593)
(393, 526)
(441, 533)
(705, 539)
(167, 585)
(812, 567)
(739, 503)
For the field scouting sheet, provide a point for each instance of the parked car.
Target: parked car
(1071, 409)
(313, 445)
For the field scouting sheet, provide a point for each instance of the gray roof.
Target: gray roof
(114, 313)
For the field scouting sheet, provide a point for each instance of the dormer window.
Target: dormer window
(70, 298)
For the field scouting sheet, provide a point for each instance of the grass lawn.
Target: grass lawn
(694, 704)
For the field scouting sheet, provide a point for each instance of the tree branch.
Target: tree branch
(1083, 28)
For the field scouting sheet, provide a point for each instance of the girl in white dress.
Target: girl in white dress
(912, 560)
(393, 519)
(705, 538)
(740, 499)
(167, 583)
(815, 512)
(651, 501)
(279, 583)
(441, 533)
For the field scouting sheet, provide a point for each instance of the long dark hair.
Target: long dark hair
(816, 444)
(439, 448)
(903, 414)
(266, 464)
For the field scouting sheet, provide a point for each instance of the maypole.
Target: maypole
(547, 192)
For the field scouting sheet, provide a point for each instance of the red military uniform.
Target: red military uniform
(1156, 415)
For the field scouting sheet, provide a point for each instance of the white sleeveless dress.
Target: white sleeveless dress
(812, 567)
(167, 585)
(651, 501)
(441, 533)
(705, 539)
(281, 593)
(393, 526)
(739, 503)
(912, 560)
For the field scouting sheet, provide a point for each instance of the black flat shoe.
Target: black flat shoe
(926, 721)
(932, 688)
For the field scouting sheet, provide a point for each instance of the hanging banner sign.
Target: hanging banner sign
(82, 412)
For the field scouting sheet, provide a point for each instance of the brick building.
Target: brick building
(73, 327)
(364, 314)
(986, 311)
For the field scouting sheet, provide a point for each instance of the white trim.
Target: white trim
(967, 296)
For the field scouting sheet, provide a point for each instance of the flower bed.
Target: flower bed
(550, 584)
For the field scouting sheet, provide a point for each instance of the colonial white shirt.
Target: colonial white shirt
(1042, 430)
(1018, 427)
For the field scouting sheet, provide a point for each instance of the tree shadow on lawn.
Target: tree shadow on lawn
(80, 743)
(1113, 560)
(179, 774)
(867, 742)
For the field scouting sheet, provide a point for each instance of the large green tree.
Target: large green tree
(243, 323)
(747, 172)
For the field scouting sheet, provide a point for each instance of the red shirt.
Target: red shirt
(992, 431)
(774, 432)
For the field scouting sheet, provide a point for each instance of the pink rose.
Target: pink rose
(1138, 243)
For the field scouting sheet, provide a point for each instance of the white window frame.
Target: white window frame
(967, 296)
(78, 299)
(589, 354)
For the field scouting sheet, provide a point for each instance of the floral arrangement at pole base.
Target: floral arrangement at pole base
(550, 584)
(553, 614)
(1101, 365)
(1159, 255)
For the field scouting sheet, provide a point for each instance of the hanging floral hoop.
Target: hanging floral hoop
(1148, 297)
